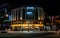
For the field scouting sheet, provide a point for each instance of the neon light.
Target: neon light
(52, 18)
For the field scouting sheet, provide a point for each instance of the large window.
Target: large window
(29, 13)
(30, 8)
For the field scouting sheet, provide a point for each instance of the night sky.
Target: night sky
(50, 7)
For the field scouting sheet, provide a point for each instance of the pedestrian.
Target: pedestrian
(51, 26)
(54, 27)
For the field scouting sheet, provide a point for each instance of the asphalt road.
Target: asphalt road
(29, 35)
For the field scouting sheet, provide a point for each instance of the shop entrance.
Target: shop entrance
(25, 27)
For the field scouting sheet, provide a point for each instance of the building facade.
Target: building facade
(27, 18)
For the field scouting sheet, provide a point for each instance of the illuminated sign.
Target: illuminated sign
(29, 13)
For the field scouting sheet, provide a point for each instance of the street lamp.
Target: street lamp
(20, 18)
(39, 18)
(6, 15)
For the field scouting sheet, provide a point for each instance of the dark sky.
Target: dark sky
(51, 7)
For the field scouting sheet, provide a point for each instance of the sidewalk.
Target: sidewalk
(30, 31)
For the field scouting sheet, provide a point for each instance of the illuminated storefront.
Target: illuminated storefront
(27, 18)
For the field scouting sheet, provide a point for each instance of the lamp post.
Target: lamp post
(6, 15)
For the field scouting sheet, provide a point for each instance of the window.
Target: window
(30, 8)
(29, 13)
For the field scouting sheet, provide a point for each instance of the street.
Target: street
(30, 35)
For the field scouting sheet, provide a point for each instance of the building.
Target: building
(27, 18)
